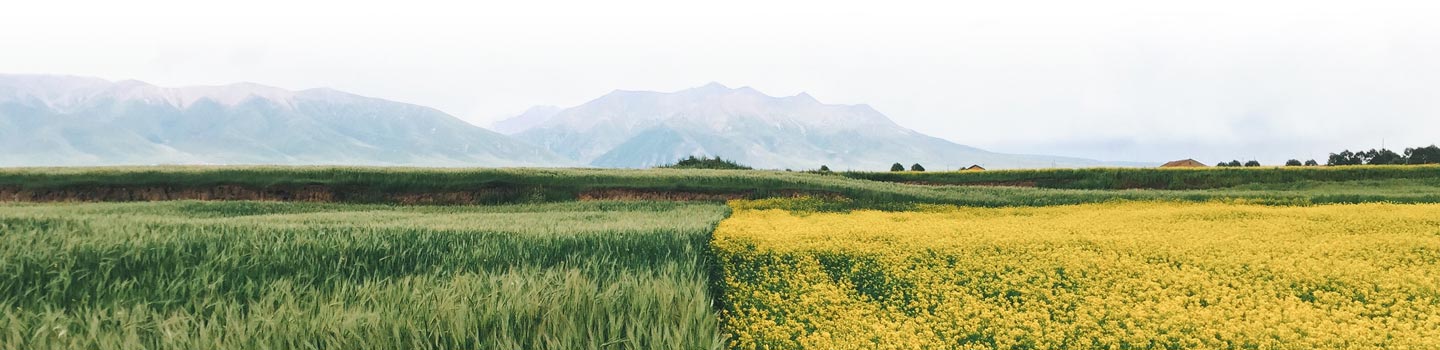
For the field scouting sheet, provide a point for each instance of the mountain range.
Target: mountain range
(635, 129)
(50, 120)
(61, 120)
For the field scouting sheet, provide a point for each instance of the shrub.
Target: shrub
(1311, 162)
(917, 167)
(1252, 163)
(897, 167)
(1293, 162)
(693, 162)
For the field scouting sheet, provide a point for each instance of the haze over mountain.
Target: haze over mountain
(529, 119)
(637, 129)
(63, 120)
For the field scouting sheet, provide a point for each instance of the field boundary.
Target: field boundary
(494, 194)
(444, 186)
(1151, 178)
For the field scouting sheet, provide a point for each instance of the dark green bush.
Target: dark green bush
(706, 163)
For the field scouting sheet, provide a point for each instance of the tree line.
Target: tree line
(1236, 163)
(901, 167)
(1418, 155)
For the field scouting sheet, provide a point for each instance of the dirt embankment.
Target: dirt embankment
(311, 193)
(681, 195)
(160, 193)
(640, 194)
(320, 193)
(992, 183)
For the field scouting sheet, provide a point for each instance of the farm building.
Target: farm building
(1183, 163)
(975, 167)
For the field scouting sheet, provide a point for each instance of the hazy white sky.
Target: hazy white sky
(1114, 80)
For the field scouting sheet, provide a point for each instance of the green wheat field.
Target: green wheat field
(254, 275)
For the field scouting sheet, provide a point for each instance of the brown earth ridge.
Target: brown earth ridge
(321, 193)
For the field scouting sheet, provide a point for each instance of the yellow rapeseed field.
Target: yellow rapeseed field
(1099, 276)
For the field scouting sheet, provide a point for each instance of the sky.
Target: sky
(1111, 80)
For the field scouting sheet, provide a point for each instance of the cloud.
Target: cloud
(1118, 80)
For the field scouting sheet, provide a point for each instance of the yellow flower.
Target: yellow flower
(1114, 275)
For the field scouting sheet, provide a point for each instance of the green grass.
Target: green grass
(1400, 184)
(244, 275)
(1158, 178)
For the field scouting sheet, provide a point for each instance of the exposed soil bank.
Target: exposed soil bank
(641, 194)
(673, 195)
(1033, 183)
(153, 193)
(320, 193)
(991, 183)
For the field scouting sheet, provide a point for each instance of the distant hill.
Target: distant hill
(632, 129)
(62, 120)
(48, 120)
(532, 117)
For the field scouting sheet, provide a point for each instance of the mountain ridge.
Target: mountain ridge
(64, 120)
(637, 129)
(67, 120)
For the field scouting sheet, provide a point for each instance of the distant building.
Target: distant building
(975, 167)
(1184, 163)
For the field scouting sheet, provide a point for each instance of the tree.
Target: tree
(1234, 163)
(1222, 164)
(824, 169)
(1311, 162)
(897, 167)
(1293, 162)
(1252, 163)
(1384, 156)
(917, 167)
(1423, 155)
(1346, 158)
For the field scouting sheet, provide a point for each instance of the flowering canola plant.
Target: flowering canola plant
(1134, 275)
